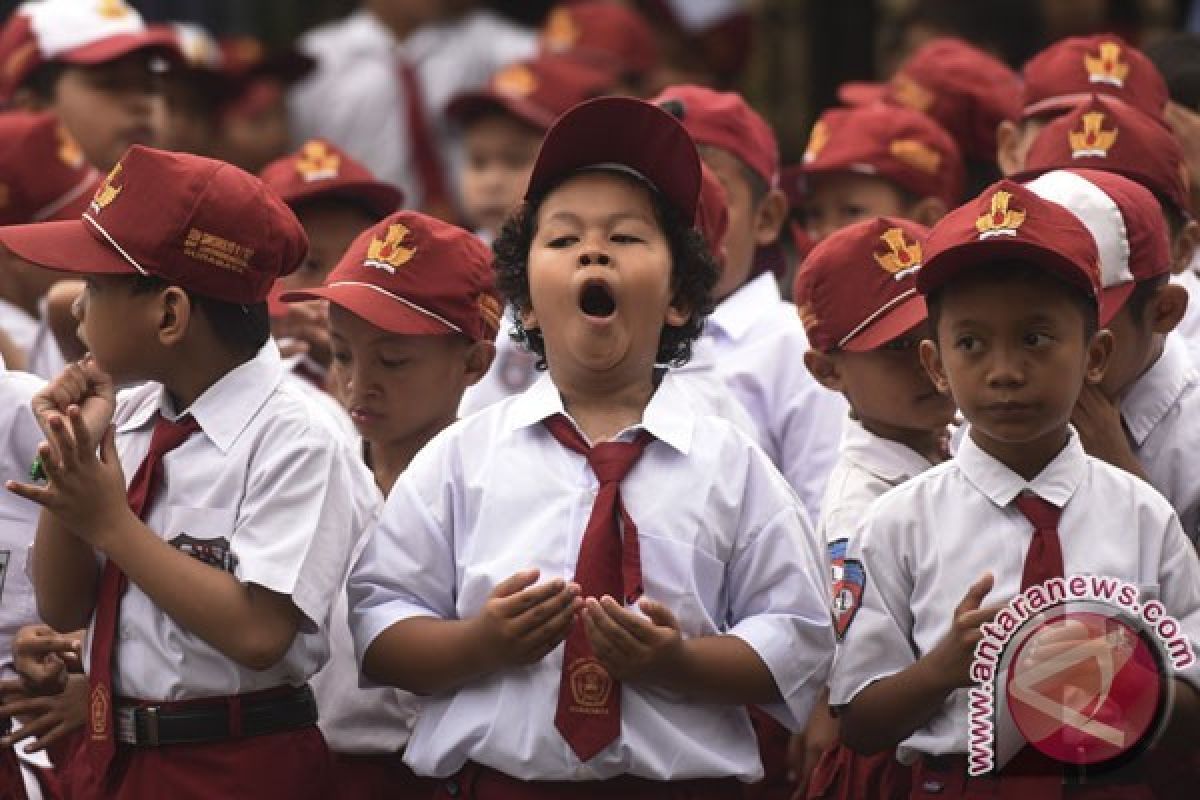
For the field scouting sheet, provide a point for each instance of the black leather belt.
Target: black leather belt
(216, 719)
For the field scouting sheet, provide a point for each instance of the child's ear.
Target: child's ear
(479, 358)
(1167, 307)
(1099, 352)
(825, 369)
(769, 217)
(931, 360)
(927, 211)
(174, 313)
(678, 313)
(1009, 157)
(1183, 246)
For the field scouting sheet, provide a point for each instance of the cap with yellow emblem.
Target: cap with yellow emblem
(412, 274)
(321, 170)
(857, 289)
(1009, 222)
(43, 174)
(607, 33)
(1072, 69)
(196, 222)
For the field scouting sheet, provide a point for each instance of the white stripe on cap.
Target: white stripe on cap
(113, 242)
(888, 306)
(1100, 215)
(72, 194)
(399, 299)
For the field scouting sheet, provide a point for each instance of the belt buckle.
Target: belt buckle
(150, 716)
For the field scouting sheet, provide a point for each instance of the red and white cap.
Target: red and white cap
(1125, 220)
(1071, 70)
(857, 289)
(81, 32)
(415, 275)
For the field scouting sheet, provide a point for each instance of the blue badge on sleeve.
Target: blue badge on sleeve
(849, 578)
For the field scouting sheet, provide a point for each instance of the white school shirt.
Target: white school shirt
(924, 543)
(268, 490)
(724, 544)
(1189, 326)
(759, 345)
(1162, 414)
(19, 326)
(19, 440)
(355, 98)
(513, 370)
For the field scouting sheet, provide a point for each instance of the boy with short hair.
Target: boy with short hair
(1011, 281)
(206, 584)
(682, 589)
(878, 161)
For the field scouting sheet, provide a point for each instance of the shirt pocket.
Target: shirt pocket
(685, 579)
(205, 534)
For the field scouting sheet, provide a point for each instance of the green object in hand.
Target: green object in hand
(37, 472)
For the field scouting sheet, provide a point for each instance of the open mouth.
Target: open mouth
(596, 300)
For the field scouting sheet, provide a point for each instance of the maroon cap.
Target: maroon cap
(712, 213)
(82, 32)
(726, 121)
(43, 174)
(196, 222)
(537, 91)
(626, 133)
(1111, 136)
(607, 33)
(966, 90)
(1010, 222)
(1069, 71)
(900, 145)
(413, 274)
(321, 170)
(857, 289)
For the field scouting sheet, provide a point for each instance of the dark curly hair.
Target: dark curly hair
(694, 273)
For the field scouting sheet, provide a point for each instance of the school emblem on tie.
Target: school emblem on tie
(590, 687)
(99, 713)
(1000, 220)
(901, 257)
(317, 163)
(107, 192)
(1091, 140)
(1106, 66)
(389, 253)
(816, 142)
(849, 578)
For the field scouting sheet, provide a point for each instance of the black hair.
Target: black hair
(1007, 272)
(350, 200)
(43, 81)
(694, 273)
(1141, 295)
(242, 329)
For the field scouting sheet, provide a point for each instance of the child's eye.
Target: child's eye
(1036, 339)
(902, 344)
(969, 343)
(393, 363)
(562, 241)
(626, 238)
(341, 357)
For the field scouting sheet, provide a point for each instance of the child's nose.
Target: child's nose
(1006, 367)
(590, 257)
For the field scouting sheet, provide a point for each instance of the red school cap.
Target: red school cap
(1107, 135)
(725, 120)
(607, 33)
(415, 275)
(537, 92)
(79, 32)
(1008, 221)
(899, 145)
(966, 90)
(1125, 220)
(857, 289)
(43, 174)
(202, 224)
(627, 134)
(320, 170)
(1071, 70)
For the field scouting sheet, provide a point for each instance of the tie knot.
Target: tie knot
(168, 434)
(611, 461)
(1043, 514)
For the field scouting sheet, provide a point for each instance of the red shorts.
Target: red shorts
(475, 782)
(843, 774)
(377, 777)
(773, 740)
(12, 785)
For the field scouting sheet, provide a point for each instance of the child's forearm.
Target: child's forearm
(65, 575)
(720, 669)
(426, 655)
(888, 711)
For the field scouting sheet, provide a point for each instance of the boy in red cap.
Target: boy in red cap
(206, 584)
(1066, 74)
(856, 293)
(93, 63)
(752, 336)
(407, 341)
(1012, 284)
(878, 161)
(680, 580)
(609, 34)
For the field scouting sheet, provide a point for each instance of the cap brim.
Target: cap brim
(861, 93)
(957, 259)
(65, 246)
(378, 307)
(899, 320)
(1113, 299)
(470, 106)
(625, 132)
(382, 197)
(111, 48)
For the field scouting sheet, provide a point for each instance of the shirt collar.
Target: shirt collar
(889, 461)
(1055, 483)
(669, 416)
(1158, 389)
(736, 314)
(224, 409)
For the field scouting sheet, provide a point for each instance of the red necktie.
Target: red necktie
(609, 563)
(146, 481)
(435, 199)
(1044, 559)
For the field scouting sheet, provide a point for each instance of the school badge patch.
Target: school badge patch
(849, 580)
(214, 552)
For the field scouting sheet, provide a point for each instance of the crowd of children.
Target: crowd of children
(526, 429)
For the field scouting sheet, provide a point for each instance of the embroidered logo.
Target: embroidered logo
(1000, 220)
(112, 9)
(516, 80)
(389, 253)
(911, 94)
(214, 552)
(69, 151)
(99, 712)
(590, 687)
(215, 250)
(849, 580)
(816, 142)
(317, 163)
(916, 154)
(808, 316)
(490, 310)
(1091, 140)
(1106, 66)
(107, 192)
(560, 31)
(902, 257)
